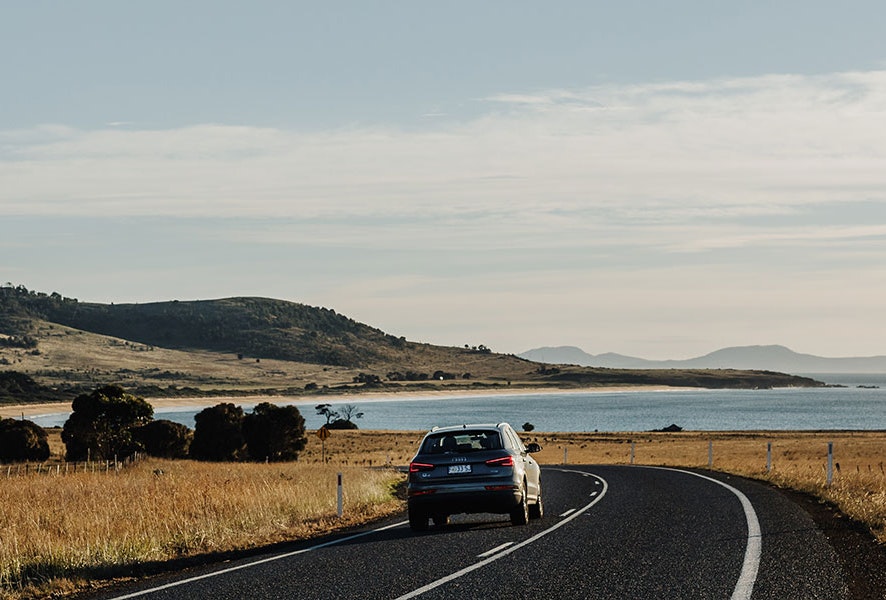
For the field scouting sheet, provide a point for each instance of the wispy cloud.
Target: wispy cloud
(615, 175)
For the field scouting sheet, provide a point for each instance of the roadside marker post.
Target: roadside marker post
(830, 463)
(632, 452)
(710, 454)
(340, 497)
(768, 457)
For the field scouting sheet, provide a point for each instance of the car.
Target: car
(473, 469)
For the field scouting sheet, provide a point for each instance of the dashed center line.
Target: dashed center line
(494, 550)
(568, 512)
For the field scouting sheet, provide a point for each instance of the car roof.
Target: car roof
(451, 428)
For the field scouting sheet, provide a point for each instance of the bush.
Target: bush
(101, 424)
(164, 439)
(218, 433)
(274, 433)
(527, 426)
(22, 441)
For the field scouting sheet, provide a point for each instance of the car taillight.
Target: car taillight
(415, 467)
(505, 461)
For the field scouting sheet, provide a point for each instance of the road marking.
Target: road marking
(514, 548)
(751, 565)
(568, 512)
(594, 494)
(257, 562)
(494, 550)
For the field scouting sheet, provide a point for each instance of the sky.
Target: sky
(657, 179)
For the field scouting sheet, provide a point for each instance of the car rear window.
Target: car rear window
(462, 441)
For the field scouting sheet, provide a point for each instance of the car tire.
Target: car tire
(520, 513)
(418, 519)
(537, 510)
(440, 520)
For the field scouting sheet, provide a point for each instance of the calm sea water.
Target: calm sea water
(703, 410)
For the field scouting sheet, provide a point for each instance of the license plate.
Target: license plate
(456, 469)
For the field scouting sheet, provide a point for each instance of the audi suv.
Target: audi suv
(473, 469)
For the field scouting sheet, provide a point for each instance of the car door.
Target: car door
(529, 466)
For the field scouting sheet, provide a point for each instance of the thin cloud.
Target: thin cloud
(650, 162)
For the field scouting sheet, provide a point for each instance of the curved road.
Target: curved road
(612, 532)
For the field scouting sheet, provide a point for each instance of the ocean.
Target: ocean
(861, 405)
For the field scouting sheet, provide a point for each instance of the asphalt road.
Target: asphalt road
(609, 532)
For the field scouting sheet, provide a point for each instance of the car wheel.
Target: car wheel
(520, 513)
(441, 520)
(418, 519)
(537, 510)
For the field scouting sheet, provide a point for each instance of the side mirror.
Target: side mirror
(533, 447)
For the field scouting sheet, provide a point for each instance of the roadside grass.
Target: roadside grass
(61, 533)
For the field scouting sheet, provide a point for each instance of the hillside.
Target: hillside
(774, 358)
(266, 346)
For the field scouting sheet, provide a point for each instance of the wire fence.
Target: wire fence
(61, 469)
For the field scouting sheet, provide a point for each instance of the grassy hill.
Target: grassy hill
(266, 346)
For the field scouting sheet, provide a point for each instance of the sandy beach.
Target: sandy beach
(17, 411)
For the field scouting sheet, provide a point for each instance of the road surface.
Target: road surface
(609, 532)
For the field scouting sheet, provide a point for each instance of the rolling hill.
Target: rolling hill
(264, 346)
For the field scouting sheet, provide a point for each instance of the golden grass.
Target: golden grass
(59, 532)
(60, 529)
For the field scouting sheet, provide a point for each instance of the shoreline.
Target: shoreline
(16, 411)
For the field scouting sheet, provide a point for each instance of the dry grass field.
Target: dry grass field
(61, 532)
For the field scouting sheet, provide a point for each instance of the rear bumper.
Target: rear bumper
(475, 500)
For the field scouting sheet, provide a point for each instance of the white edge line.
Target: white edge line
(514, 548)
(751, 565)
(256, 562)
(494, 550)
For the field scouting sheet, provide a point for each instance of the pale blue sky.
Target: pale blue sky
(656, 179)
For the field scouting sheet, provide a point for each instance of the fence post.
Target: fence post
(340, 497)
(768, 457)
(830, 478)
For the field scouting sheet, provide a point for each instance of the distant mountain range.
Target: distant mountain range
(769, 358)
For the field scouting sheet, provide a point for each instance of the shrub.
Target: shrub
(274, 433)
(218, 433)
(164, 439)
(101, 424)
(22, 441)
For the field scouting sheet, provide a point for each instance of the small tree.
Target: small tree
(326, 411)
(274, 433)
(22, 441)
(101, 424)
(164, 439)
(218, 433)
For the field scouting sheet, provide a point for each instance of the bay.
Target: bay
(799, 409)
